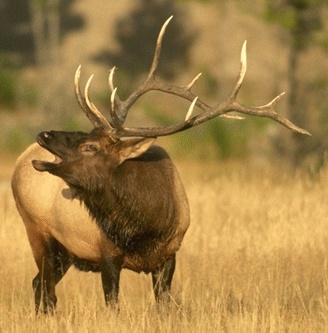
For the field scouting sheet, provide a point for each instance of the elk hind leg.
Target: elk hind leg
(53, 262)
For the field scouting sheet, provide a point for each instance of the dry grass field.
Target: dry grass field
(254, 260)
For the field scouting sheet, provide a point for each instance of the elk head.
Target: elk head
(88, 151)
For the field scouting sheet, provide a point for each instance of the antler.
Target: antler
(119, 109)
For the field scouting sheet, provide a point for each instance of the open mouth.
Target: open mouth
(57, 160)
(46, 165)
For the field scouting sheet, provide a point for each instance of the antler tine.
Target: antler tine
(93, 110)
(95, 121)
(191, 84)
(113, 114)
(268, 111)
(191, 109)
(115, 100)
(242, 72)
(111, 79)
(274, 101)
(158, 48)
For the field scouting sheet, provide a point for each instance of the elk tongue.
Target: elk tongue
(57, 160)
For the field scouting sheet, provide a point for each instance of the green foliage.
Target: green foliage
(17, 139)
(14, 92)
(70, 124)
(209, 81)
(41, 3)
(301, 18)
(228, 136)
(29, 95)
(201, 1)
(8, 86)
(157, 115)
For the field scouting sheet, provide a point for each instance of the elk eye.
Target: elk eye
(89, 148)
(92, 148)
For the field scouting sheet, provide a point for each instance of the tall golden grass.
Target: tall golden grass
(254, 260)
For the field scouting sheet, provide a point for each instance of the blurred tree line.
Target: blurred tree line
(304, 21)
(30, 35)
(31, 32)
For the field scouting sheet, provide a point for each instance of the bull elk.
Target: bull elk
(114, 203)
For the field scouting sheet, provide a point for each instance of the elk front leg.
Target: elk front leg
(110, 276)
(162, 279)
(53, 262)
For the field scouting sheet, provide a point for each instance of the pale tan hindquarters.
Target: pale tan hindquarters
(47, 209)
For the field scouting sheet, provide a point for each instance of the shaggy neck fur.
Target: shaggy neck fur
(138, 215)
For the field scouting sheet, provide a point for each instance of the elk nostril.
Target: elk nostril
(47, 135)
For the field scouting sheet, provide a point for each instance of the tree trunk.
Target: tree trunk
(45, 25)
(294, 114)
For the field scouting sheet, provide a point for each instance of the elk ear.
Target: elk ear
(133, 148)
